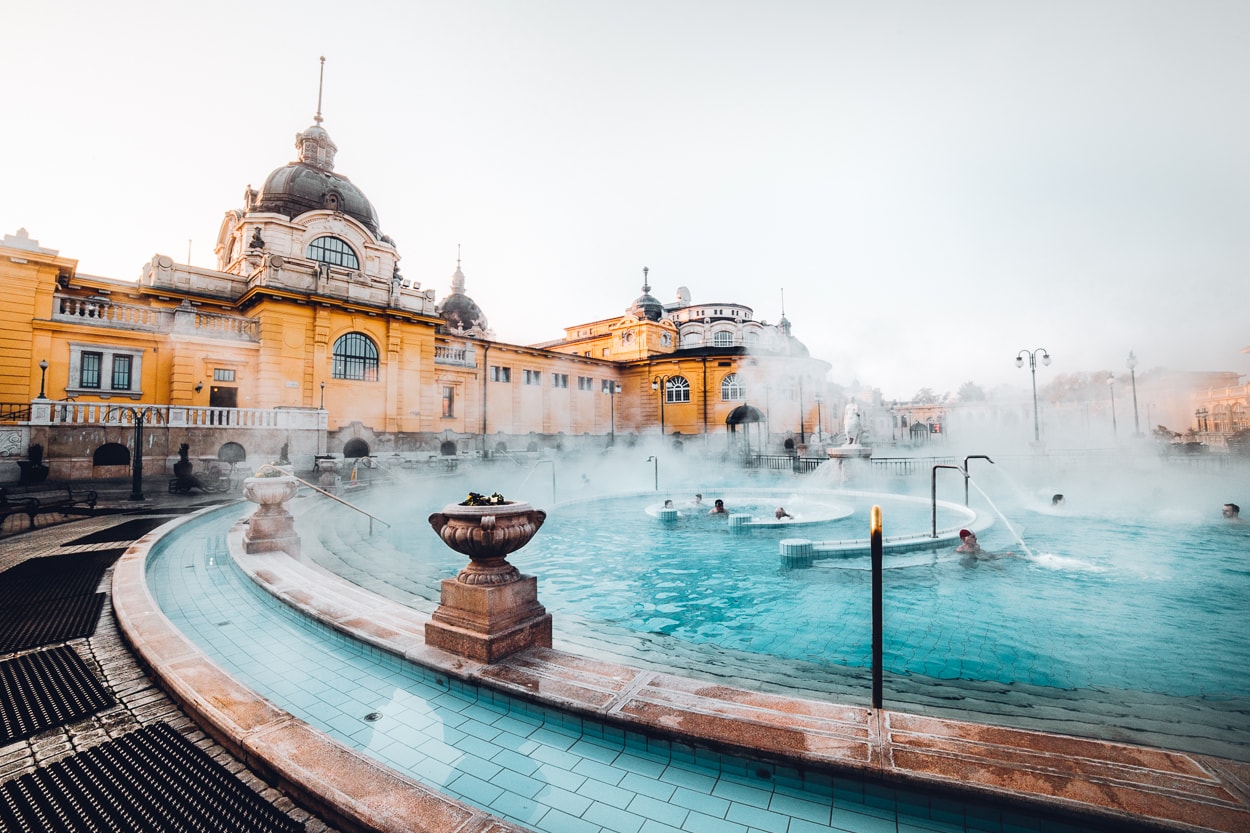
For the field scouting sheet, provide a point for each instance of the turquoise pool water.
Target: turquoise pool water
(538, 767)
(1118, 603)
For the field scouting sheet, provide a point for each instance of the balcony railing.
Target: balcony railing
(99, 312)
(176, 416)
(460, 356)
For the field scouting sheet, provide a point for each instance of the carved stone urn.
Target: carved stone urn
(271, 527)
(489, 610)
(487, 534)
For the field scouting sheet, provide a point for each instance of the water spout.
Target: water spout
(1000, 514)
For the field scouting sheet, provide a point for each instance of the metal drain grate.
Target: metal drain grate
(152, 779)
(45, 689)
(47, 623)
(55, 577)
(126, 531)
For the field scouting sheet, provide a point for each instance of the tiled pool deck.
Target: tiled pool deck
(1097, 782)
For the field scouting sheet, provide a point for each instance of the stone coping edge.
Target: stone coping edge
(349, 790)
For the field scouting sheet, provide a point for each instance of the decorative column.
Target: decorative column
(489, 610)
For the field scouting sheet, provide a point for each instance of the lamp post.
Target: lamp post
(1131, 364)
(139, 415)
(612, 389)
(655, 461)
(323, 396)
(660, 383)
(43, 372)
(820, 421)
(1032, 354)
(1115, 431)
(802, 432)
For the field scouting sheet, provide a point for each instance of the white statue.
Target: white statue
(851, 424)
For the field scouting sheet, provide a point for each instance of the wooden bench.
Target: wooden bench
(46, 497)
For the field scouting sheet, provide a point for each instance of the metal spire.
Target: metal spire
(320, 86)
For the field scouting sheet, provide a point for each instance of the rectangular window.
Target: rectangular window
(585, 383)
(533, 377)
(449, 401)
(221, 374)
(606, 352)
(121, 372)
(559, 380)
(90, 376)
(500, 374)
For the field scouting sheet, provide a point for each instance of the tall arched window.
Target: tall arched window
(677, 390)
(356, 357)
(724, 338)
(333, 251)
(732, 389)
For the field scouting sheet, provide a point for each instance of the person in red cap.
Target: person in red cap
(968, 542)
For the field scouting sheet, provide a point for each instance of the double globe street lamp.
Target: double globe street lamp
(661, 384)
(1032, 354)
(1131, 364)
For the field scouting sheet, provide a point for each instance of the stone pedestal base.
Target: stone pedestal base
(271, 528)
(488, 622)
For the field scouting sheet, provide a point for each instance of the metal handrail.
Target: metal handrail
(318, 489)
(933, 490)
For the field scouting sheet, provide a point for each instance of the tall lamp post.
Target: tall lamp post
(139, 415)
(43, 372)
(802, 430)
(1115, 431)
(820, 422)
(1131, 364)
(612, 389)
(660, 383)
(1032, 354)
(323, 396)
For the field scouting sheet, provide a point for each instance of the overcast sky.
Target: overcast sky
(935, 185)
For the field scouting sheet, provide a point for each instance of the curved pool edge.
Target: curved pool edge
(349, 790)
(1089, 780)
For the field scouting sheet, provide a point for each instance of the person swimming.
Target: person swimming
(718, 508)
(971, 549)
(782, 513)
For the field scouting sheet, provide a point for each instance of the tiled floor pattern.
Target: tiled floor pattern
(536, 766)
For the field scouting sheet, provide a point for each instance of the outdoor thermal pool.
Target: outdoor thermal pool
(1109, 625)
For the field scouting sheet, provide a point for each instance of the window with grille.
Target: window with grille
(559, 380)
(677, 389)
(723, 339)
(89, 375)
(121, 372)
(732, 389)
(585, 383)
(533, 377)
(449, 401)
(356, 357)
(333, 251)
(500, 374)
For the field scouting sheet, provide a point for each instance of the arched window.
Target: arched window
(677, 390)
(356, 357)
(333, 251)
(724, 338)
(732, 389)
(693, 339)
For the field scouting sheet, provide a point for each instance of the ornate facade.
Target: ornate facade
(306, 335)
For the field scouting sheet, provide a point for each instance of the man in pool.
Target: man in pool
(968, 546)
(698, 500)
(1232, 512)
(668, 504)
(718, 508)
(782, 513)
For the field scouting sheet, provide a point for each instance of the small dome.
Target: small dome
(646, 306)
(460, 312)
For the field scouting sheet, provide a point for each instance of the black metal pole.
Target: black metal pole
(136, 478)
(878, 640)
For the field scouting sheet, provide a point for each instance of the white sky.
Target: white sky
(935, 185)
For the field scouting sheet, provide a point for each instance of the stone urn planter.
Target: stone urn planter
(489, 610)
(487, 535)
(271, 527)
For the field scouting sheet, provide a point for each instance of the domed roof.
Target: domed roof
(646, 305)
(310, 184)
(460, 312)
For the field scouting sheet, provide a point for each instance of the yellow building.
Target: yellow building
(307, 337)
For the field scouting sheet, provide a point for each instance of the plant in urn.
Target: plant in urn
(489, 610)
(271, 527)
(487, 529)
